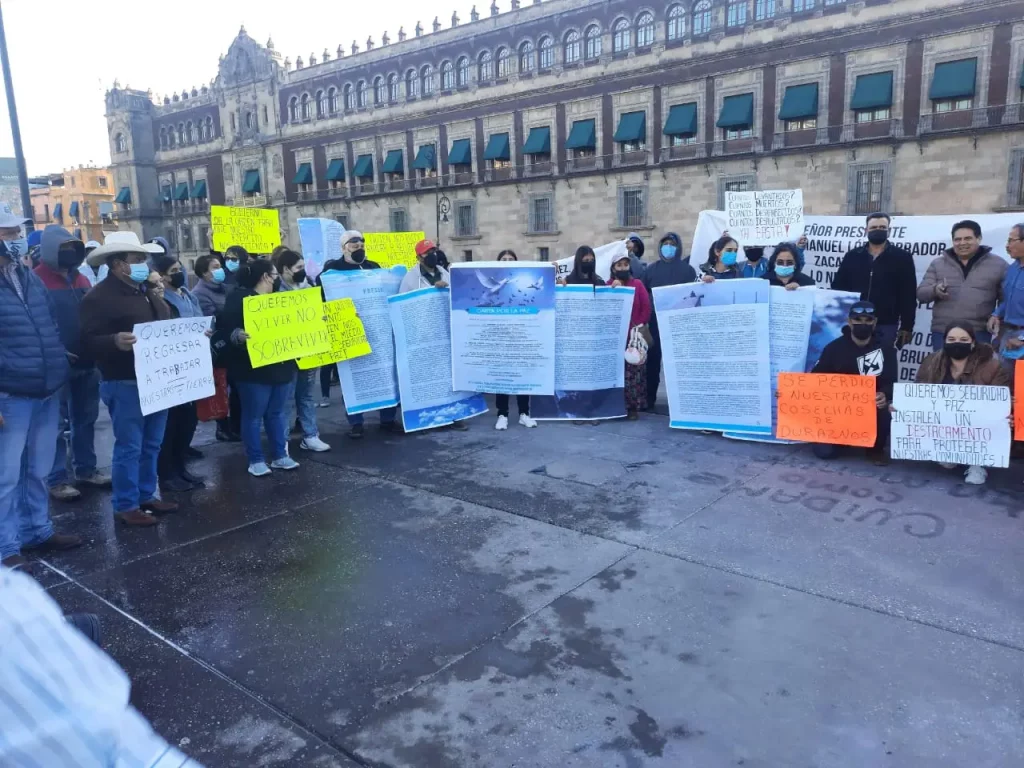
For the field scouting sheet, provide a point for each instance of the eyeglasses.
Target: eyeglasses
(357, 240)
(1015, 240)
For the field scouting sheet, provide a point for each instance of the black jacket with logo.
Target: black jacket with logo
(889, 282)
(844, 356)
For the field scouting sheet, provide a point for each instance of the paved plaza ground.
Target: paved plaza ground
(623, 595)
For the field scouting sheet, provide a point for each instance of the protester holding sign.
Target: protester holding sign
(721, 263)
(428, 272)
(861, 351)
(264, 390)
(670, 269)
(636, 371)
(584, 269)
(965, 283)
(501, 401)
(883, 274)
(784, 268)
(1008, 319)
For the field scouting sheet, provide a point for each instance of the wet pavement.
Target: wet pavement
(622, 595)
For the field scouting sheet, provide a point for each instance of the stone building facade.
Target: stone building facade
(576, 121)
(79, 199)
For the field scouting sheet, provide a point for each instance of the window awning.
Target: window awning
(632, 127)
(199, 190)
(181, 191)
(58, 210)
(393, 162)
(737, 111)
(954, 80)
(304, 175)
(461, 153)
(583, 135)
(538, 142)
(497, 147)
(426, 158)
(165, 193)
(336, 170)
(364, 167)
(800, 102)
(73, 210)
(682, 120)
(251, 183)
(872, 91)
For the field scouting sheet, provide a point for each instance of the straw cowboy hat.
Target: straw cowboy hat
(120, 242)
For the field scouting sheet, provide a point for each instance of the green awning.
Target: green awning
(73, 210)
(199, 190)
(800, 102)
(181, 191)
(737, 111)
(251, 183)
(124, 197)
(682, 120)
(393, 162)
(304, 175)
(336, 170)
(364, 167)
(461, 153)
(583, 135)
(632, 127)
(165, 193)
(538, 142)
(872, 91)
(426, 159)
(58, 209)
(497, 147)
(954, 80)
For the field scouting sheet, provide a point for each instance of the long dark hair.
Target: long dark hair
(250, 273)
(286, 258)
(790, 248)
(508, 252)
(576, 276)
(719, 245)
(162, 262)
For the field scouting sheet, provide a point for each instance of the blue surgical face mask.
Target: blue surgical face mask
(17, 247)
(231, 265)
(668, 251)
(218, 275)
(140, 273)
(784, 271)
(729, 258)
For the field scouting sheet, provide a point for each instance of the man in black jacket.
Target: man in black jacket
(883, 274)
(860, 351)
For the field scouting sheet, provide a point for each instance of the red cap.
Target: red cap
(423, 246)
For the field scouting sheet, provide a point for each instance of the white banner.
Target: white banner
(320, 240)
(765, 217)
(172, 362)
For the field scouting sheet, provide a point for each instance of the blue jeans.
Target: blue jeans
(79, 409)
(264, 404)
(302, 401)
(939, 339)
(387, 415)
(28, 439)
(137, 441)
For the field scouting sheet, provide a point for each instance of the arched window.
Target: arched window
(546, 49)
(485, 68)
(250, 120)
(736, 13)
(181, 134)
(645, 30)
(332, 100)
(392, 88)
(209, 128)
(702, 17)
(764, 9)
(380, 91)
(620, 36)
(462, 72)
(293, 109)
(412, 84)
(427, 80)
(361, 94)
(676, 23)
(190, 132)
(170, 138)
(304, 107)
(592, 38)
(321, 105)
(163, 139)
(571, 54)
(346, 96)
(504, 62)
(121, 145)
(447, 76)
(526, 58)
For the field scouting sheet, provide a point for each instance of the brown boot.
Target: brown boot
(159, 506)
(58, 542)
(137, 518)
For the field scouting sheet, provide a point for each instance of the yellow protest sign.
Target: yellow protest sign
(258, 230)
(348, 337)
(285, 326)
(391, 248)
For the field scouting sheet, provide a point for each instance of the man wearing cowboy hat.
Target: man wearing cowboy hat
(109, 313)
(33, 369)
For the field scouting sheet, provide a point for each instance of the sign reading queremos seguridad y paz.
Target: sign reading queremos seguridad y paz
(285, 326)
(952, 424)
(172, 362)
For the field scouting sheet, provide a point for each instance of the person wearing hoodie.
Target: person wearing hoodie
(671, 268)
(966, 284)
(755, 265)
(785, 268)
(635, 248)
(234, 258)
(721, 263)
(61, 256)
(862, 351)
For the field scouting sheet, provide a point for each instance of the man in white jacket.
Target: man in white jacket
(428, 273)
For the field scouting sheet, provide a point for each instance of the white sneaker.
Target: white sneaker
(286, 462)
(325, 403)
(526, 421)
(502, 423)
(314, 444)
(976, 476)
(259, 469)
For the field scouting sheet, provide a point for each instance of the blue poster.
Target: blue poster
(368, 383)
(423, 353)
(503, 327)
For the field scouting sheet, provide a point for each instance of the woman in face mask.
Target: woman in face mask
(964, 360)
(584, 268)
(522, 401)
(210, 290)
(721, 263)
(235, 257)
(636, 375)
(784, 268)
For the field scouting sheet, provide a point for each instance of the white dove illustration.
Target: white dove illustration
(493, 286)
(539, 284)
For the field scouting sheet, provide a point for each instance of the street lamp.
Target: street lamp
(444, 207)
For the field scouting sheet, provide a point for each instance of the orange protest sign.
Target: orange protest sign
(1018, 400)
(827, 408)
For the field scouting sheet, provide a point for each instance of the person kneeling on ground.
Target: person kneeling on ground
(860, 352)
(964, 360)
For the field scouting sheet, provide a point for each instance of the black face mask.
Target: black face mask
(299, 277)
(878, 236)
(958, 350)
(862, 332)
(277, 284)
(622, 275)
(177, 280)
(69, 259)
(430, 260)
(586, 268)
(358, 256)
